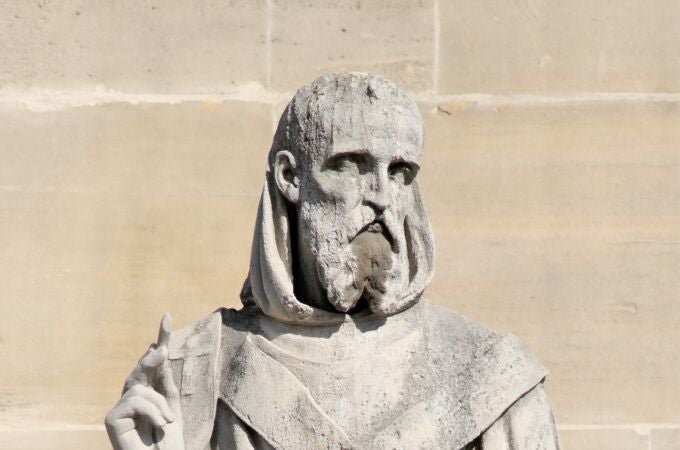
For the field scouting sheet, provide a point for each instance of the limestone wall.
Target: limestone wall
(133, 140)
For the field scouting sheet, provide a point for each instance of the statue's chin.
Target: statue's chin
(377, 303)
(367, 286)
(363, 301)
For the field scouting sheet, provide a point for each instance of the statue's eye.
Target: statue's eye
(402, 172)
(348, 162)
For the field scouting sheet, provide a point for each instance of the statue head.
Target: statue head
(341, 208)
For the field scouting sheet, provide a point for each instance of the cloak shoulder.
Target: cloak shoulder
(196, 356)
(193, 354)
(528, 424)
(481, 374)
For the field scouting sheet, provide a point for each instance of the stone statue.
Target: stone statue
(335, 348)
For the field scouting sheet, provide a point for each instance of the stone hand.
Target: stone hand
(148, 415)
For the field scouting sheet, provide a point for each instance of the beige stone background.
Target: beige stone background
(133, 137)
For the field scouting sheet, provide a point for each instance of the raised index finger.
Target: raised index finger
(158, 352)
(147, 368)
(164, 331)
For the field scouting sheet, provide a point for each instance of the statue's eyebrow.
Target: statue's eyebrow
(366, 155)
(348, 152)
(361, 156)
(409, 162)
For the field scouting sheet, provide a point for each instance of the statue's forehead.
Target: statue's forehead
(386, 129)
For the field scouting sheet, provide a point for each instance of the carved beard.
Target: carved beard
(354, 266)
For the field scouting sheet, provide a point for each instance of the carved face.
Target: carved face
(354, 195)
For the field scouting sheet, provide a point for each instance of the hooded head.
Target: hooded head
(341, 225)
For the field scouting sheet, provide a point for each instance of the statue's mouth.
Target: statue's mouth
(378, 227)
(375, 227)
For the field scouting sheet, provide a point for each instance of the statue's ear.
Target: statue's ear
(285, 175)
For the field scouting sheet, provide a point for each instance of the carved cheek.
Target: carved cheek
(338, 188)
(401, 199)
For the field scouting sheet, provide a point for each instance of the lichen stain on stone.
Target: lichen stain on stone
(455, 106)
(211, 106)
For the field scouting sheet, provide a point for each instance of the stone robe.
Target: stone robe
(424, 378)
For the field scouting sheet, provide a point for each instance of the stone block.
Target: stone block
(113, 215)
(603, 439)
(130, 46)
(586, 162)
(147, 149)
(554, 46)
(394, 39)
(562, 225)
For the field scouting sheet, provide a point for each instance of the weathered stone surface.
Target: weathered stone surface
(391, 38)
(668, 439)
(563, 224)
(559, 47)
(175, 47)
(211, 46)
(603, 440)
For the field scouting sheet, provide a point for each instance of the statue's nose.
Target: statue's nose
(378, 198)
